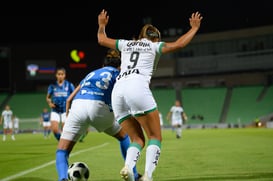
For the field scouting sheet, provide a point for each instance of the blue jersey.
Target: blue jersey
(98, 85)
(45, 116)
(59, 94)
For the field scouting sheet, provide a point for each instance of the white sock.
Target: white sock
(133, 154)
(152, 157)
(179, 132)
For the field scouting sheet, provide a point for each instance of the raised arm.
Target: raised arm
(182, 41)
(103, 40)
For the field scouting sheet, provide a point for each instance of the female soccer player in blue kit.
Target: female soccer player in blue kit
(91, 106)
(57, 94)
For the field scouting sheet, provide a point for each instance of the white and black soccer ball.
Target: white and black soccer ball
(78, 171)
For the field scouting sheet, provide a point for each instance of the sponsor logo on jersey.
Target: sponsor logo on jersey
(127, 73)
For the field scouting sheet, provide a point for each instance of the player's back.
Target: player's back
(142, 55)
(98, 84)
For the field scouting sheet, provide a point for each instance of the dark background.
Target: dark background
(41, 30)
(77, 20)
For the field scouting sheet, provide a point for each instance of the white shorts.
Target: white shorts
(59, 117)
(16, 126)
(132, 97)
(46, 124)
(176, 122)
(7, 125)
(85, 113)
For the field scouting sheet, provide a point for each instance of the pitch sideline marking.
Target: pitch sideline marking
(50, 163)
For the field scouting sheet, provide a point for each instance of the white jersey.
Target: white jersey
(7, 117)
(138, 63)
(138, 57)
(16, 123)
(176, 115)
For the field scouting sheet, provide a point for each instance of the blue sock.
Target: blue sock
(124, 145)
(62, 163)
(57, 136)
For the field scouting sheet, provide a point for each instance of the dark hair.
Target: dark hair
(112, 58)
(60, 69)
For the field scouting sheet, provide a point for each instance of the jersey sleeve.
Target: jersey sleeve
(72, 87)
(120, 43)
(50, 89)
(159, 49)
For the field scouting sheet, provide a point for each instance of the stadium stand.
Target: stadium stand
(245, 106)
(165, 98)
(3, 96)
(28, 107)
(203, 105)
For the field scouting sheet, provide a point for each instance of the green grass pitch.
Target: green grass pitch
(201, 154)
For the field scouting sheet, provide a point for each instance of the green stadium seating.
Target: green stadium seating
(28, 105)
(28, 108)
(244, 107)
(165, 98)
(3, 96)
(246, 104)
(203, 102)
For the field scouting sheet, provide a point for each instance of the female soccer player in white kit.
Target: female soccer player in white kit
(7, 120)
(133, 103)
(177, 116)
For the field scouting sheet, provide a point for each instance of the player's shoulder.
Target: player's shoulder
(69, 83)
(52, 85)
(109, 69)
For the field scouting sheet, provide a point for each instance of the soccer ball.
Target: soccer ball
(78, 171)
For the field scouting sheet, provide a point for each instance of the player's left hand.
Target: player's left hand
(103, 18)
(195, 20)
